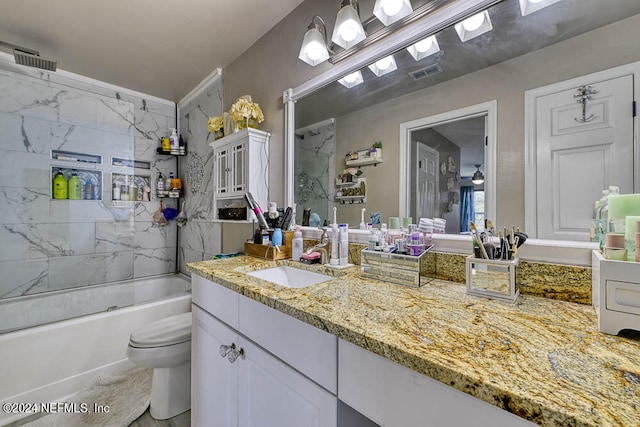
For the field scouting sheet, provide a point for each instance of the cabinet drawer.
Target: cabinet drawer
(215, 299)
(309, 350)
(623, 296)
(393, 395)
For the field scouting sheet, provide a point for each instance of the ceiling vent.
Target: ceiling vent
(429, 71)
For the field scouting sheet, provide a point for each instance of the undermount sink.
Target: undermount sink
(290, 277)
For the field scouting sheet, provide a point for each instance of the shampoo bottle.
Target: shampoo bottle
(297, 244)
(74, 187)
(174, 141)
(59, 186)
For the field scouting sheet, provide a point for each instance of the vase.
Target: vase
(230, 125)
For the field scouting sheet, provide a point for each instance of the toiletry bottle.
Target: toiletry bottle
(373, 239)
(115, 193)
(174, 142)
(133, 192)
(297, 244)
(344, 244)
(276, 238)
(74, 187)
(59, 186)
(160, 186)
(182, 148)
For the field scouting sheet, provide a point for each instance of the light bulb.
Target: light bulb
(351, 77)
(424, 45)
(474, 22)
(392, 7)
(349, 31)
(314, 50)
(383, 63)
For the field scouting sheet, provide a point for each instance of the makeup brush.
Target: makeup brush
(474, 230)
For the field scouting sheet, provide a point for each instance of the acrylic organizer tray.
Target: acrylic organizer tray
(491, 278)
(396, 268)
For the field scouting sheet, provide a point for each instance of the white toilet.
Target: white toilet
(165, 345)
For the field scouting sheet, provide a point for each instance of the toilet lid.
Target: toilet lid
(169, 331)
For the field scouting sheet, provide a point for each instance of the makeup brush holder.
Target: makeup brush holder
(493, 279)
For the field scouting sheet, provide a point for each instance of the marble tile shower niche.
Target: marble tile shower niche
(51, 245)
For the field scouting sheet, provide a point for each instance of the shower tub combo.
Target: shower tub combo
(53, 360)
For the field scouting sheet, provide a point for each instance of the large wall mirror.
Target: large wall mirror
(446, 117)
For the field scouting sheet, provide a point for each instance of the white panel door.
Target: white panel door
(427, 162)
(214, 381)
(577, 159)
(273, 394)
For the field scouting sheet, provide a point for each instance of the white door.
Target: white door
(427, 161)
(577, 159)
(214, 381)
(273, 394)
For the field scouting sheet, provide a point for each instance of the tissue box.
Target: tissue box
(490, 278)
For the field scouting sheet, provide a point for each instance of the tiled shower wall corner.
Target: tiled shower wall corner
(200, 238)
(46, 244)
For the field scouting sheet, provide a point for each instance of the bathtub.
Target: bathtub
(50, 362)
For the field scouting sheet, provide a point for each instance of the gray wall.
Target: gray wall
(272, 65)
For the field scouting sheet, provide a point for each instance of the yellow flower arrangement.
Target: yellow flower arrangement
(244, 110)
(215, 124)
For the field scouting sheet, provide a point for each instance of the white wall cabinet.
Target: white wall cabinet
(241, 165)
(237, 383)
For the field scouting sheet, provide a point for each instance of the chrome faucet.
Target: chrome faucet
(322, 246)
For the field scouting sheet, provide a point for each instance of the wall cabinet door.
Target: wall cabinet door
(273, 394)
(238, 172)
(222, 158)
(214, 381)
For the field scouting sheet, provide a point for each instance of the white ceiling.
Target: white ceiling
(159, 47)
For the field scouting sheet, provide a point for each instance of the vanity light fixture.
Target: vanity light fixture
(423, 48)
(384, 66)
(530, 6)
(314, 45)
(474, 26)
(348, 30)
(351, 80)
(390, 11)
(478, 177)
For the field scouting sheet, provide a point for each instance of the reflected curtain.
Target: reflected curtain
(467, 209)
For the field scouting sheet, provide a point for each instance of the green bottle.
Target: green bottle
(59, 186)
(75, 187)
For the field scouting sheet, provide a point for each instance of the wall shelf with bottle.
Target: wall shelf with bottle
(130, 188)
(76, 184)
(172, 145)
(351, 192)
(366, 157)
(168, 187)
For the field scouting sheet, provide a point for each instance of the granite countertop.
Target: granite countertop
(541, 359)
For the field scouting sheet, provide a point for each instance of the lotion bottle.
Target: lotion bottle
(297, 244)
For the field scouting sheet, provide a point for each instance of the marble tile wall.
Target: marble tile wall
(48, 245)
(200, 238)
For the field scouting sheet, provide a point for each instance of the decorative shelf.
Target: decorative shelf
(351, 199)
(169, 153)
(364, 162)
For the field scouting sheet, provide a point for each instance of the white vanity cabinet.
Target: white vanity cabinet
(240, 166)
(236, 382)
(393, 395)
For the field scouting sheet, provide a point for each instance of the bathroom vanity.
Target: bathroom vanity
(398, 355)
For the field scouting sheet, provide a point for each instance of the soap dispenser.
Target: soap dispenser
(59, 186)
(74, 187)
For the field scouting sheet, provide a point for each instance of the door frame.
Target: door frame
(530, 133)
(488, 109)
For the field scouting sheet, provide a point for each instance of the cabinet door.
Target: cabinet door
(222, 157)
(214, 381)
(273, 394)
(239, 170)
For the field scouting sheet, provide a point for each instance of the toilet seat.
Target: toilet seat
(165, 332)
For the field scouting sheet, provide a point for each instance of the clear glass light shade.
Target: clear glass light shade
(530, 6)
(474, 26)
(351, 80)
(348, 30)
(390, 11)
(314, 50)
(423, 48)
(384, 66)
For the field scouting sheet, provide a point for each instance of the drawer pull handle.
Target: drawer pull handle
(234, 354)
(226, 349)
